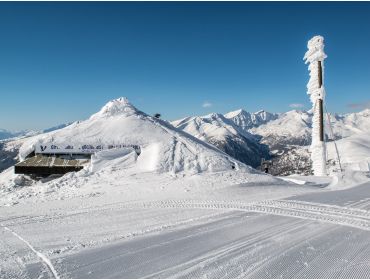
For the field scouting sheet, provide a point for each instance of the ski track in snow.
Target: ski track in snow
(237, 245)
(196, 267)
(250, 252)
(41, 256)
(357, 218)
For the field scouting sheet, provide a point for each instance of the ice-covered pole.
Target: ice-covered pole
(315, 57)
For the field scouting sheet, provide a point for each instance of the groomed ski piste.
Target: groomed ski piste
(179, 209)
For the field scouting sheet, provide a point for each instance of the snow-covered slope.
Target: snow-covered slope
(353, 132)
(163, 148)
(248, 120)
(354, 151)
(225, 135)
(350, 124)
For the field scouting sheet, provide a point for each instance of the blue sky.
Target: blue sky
(62, 61)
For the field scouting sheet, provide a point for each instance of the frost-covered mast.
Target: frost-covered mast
(315, 57)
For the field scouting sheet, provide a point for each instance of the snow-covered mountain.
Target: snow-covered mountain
(289, 136)
(60, 126)
(247, 120)
(225, 135)
(163, 148)
(6, 134)
(294, 127)
(247, 137)
(168, 158)
(290, 128)
(350, 124)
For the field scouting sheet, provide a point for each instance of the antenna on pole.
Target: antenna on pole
(315, 57)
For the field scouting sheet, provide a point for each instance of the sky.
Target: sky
(62, 61)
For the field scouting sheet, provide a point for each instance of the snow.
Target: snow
(226, 231)
(111, 158)
(350, 124)
(297, 125)
(289, 135)
(354, 151)
(6, 134)
(210, 126)
(316, 91)
(179, 210)
(291, 125)
(226, 135)
(119, 122)
(167, 155)
(12, 135)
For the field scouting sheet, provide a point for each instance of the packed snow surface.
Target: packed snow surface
(196, 226)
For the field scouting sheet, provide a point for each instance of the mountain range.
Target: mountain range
(7, 134)
(245, 135)
(226, 135)
(250, 137)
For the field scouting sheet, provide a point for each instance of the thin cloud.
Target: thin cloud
(360, 106)
(296, 105)
(207, 104)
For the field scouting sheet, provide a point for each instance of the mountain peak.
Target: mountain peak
(235, 113)
(120, 106)
(248, 120)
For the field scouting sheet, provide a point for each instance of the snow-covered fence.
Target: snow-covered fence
(86, 149)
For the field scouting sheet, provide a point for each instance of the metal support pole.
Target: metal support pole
(320, 73)
(321, 119)
(321, 109)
